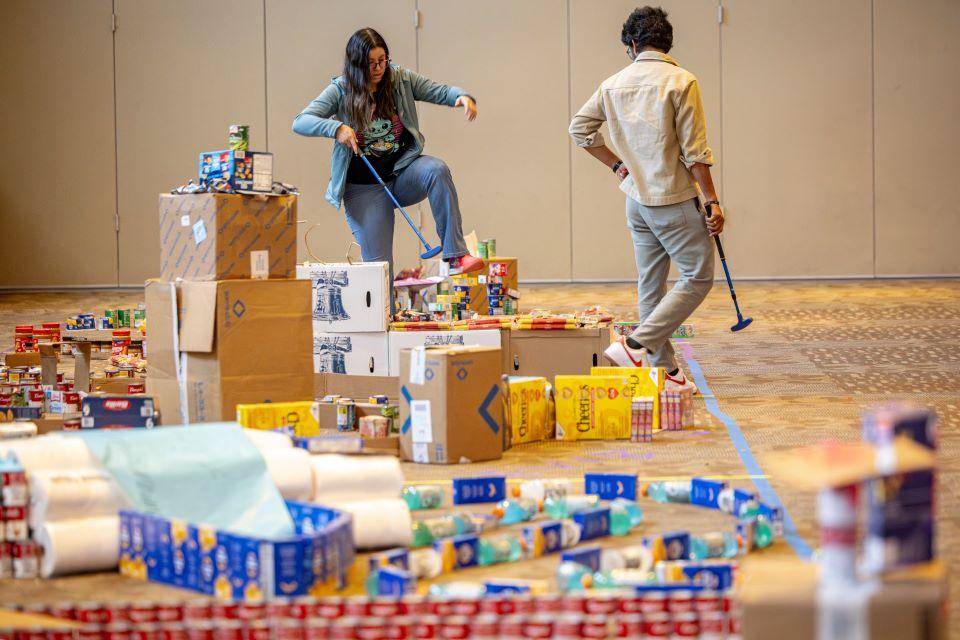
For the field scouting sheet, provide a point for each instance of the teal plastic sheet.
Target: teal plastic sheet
(208, 474)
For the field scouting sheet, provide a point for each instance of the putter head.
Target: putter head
(430, 253)
(743, 324)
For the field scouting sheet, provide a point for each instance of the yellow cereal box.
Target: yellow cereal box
(593, 407)
(302, 416)
(528, 400)
(644, 381)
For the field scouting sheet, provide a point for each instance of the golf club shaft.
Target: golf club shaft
(390, 193)
(726, 272)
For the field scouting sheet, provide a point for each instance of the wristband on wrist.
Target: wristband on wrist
(706, 205)
(616, 166)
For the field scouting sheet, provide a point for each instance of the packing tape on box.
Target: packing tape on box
(51, 452)
(265, 440)
(79, 546)
(340, 478)
(68, 495)
(291, 471)
(379, 523)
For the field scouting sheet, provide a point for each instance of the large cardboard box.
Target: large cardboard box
(400, 340)
(553, 353)
(348, 298)
(451, 409)
(356, 386)
(222, 236)
(779, 599)
(351, 353)
(242, 341)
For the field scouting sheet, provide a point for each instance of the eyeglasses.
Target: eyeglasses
(382, 62)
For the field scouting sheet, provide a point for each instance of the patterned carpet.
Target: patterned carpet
(815, 357)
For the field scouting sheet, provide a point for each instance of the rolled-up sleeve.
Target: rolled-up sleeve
(317, 118)
(585, 126)
(692, 127)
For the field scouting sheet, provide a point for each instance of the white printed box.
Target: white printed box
(410, 339)
(351, 353)
(348, 298)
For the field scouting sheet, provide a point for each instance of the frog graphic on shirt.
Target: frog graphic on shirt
(378, 138)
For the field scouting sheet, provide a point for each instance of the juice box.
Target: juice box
(593, 407)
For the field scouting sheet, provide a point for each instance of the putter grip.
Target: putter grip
(719, 247)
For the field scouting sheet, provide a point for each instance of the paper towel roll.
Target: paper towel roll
(378, 524)
(268, 439)
(70, 495)
(345, 478)
(79, 546)
(291, 472)
(52, 451)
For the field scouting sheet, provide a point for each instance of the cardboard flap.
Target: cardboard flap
(28, 359)
(198, 313)
(81, 366)
(48, 363)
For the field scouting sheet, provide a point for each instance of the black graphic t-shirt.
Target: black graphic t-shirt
(383, 142)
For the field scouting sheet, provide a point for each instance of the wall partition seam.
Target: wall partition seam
(266, 101)
(569, 143)
(116, 139)
(721, 17)
(873, 126)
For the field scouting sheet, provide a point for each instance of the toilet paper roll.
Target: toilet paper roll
(378, 524)
(69, 495)
(346, 478)
(51, 452)
(263, 439)
(79, 546)
(291, 471)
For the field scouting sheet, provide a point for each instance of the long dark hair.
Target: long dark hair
(356, 70)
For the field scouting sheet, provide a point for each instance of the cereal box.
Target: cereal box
(593, 407)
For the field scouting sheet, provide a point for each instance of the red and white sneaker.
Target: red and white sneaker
(679, 382)
(464, 264)
(621, 354)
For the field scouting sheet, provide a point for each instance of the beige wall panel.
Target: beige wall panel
(511, 165)
(797, 138)
(602, 249)
(186, 71)
(916, 51)
(57, 188)
(305, 45)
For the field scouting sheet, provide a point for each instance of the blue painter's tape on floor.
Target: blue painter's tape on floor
(767, 493)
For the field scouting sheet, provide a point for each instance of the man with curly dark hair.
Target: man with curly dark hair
(658, 151)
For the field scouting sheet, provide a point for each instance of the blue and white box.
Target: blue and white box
(588, 556)
(117, 412)
(610, 486)
(458, 552)
(543, 538)
(704, 493)
(593, 523)
(479, 490)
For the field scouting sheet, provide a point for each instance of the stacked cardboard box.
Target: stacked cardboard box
(492, 291)
(228, 324)
(350, 307)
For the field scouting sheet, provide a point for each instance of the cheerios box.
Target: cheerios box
(527, 402)
(593, 407)
(239, 567)
(644, 381)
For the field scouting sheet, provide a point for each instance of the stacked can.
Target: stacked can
(641, 419)
(676, 409)
(346, 415)
(238, 137)
(499, 297)
(23, 338)
(19, 555)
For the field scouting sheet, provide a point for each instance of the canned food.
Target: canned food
(316, 629)
(173, 631)
(712, 625)
(539, 626)
(512, 626)
(256, 630)
(247, 611)
(111, 372)
(144, 632)
(385, 607)
(26, 559)
(482, 249)
(656, 625)
(345, 628)
(455, 627)
(653, 602)
(239, 137)
(414, 605)
(201, 630)
(224, 611)
(142, 612)
(134, 389)
(628, 625)
(465, 607)
(686, 625)
(330, 608)
(426, 626)
(293, 629)
(116, 631)
(121, 342)
(704, 601)
(71, 424)
(601, 604)
(346, 415)
(485, 626)
(228, 629)
(680, 602)
(631, 604)
(550, 603)
(594, 627)
(567, 626)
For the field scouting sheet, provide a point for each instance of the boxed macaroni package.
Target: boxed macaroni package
(643, 381)
(302, 416)
(593, 407)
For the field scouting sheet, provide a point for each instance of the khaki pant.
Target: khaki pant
(676, 232)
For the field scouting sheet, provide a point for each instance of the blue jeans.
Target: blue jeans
(371, 217)
(676, 232)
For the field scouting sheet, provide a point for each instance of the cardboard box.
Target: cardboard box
(117, 412)
(527, 414)
(221, 236)
(118, 386)
(451, 409)
(326, 413)
(593, 407)
(356, 386)
(400, 340)
(348, 298)
(553, 353)
(351, 353)
(479, 281)
(779, 600)
(244, 341)
(301, 416)
(643, 381)
(253, 171)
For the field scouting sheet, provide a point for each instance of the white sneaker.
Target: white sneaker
(679, 382)
(622, 355)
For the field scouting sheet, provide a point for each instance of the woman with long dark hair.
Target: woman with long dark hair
(371, 110)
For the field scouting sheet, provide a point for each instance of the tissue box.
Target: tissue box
(400, 340)
(593, 407)
(236, 567)
(451, 408)
(364, 354)
(348, 298)
(222, 236)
